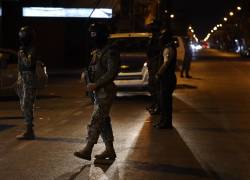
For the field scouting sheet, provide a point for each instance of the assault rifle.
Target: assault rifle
(87, 81)
(86, 76)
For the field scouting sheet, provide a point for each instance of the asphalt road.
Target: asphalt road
(211, 139)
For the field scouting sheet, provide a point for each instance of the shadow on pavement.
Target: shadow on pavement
(5, 127)
(161, 154)
(196, 78)
(15, 98)
(73, 175)
(11, 117)
(186, 110)
(167, 168)
(93, 171)
(185, 86)
(48, 97)
(60, 139)
(8, 98)
(219, 130)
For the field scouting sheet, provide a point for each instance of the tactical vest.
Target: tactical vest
(98, 66)
(170, 70)
(27, 62)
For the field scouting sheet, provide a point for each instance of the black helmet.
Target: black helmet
(155, 26)
(26, 35)
(166, 38)
(98, 33)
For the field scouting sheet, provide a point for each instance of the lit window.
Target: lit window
(102, 13)
(66, 12)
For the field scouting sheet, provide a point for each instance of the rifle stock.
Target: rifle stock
(86, 76)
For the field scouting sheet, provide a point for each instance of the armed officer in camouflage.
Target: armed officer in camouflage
(153, 63)
(187, 59)
(105, 65)
(26, 79)
(167, 78)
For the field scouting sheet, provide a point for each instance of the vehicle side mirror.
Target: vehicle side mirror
(4, 60)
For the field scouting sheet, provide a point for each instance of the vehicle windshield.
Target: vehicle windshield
(131, 44)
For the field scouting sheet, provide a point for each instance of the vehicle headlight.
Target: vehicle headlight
(124, 67)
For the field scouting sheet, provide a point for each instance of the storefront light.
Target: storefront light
(66, 12)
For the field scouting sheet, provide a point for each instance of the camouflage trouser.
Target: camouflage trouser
(153, 85)
(100, 120)
(26, 93)
(186, 65)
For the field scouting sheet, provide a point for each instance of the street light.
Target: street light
(231, 13)
(172, 16)
(215, 28)
(207, 37)
(239, 8)
(225, 19)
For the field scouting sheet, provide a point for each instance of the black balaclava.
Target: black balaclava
(166, 39)
(155, 28)
(98, 34)
(26, 36)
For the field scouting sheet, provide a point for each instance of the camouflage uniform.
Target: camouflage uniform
(167, 85)
(187, 59)
(167, 78)
(26, 83)
(105, 66)
(153, 54)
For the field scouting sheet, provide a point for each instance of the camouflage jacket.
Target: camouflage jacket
(106, 65)
(26, 60)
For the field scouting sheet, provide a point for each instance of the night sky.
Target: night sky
(203, 15)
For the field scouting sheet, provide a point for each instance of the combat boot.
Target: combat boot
(108, 153)
(163, 125)
(86, 152)
(28, 134)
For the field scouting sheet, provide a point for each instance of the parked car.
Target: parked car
(133, 46)
(9, 72)
(133, 55)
